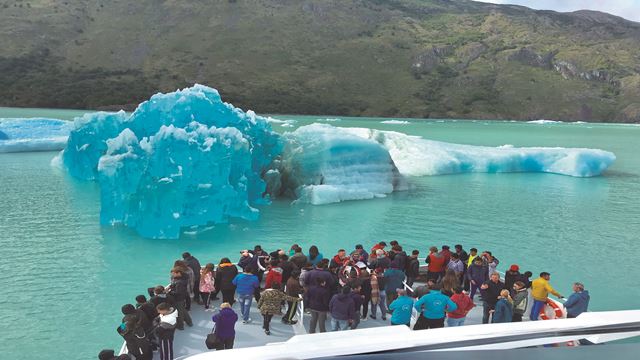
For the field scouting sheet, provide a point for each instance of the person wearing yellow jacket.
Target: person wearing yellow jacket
(540, 289)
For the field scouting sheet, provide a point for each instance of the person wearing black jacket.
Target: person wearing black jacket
(224, 280)
(287, 268)
(490, 292)
(178, 289)
(135, 338)
(160, 295)
(130, 312)
(147, 307)
(317, 299)
(412, 269)
(194, 265)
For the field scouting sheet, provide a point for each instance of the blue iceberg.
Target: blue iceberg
(33, 134)
(183, 159)
(186, 160)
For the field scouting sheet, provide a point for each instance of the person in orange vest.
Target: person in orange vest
(540, 289)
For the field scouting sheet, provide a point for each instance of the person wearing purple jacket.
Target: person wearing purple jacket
(320, 272)
(317, 298)
(225, 322)
(342, 309)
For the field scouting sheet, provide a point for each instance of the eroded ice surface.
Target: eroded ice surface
(415, 156)
(33, 134)
(182, 159)
(326, 164)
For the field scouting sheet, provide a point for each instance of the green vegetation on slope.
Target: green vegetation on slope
(410, 58)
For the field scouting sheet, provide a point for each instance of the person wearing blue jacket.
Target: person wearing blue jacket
(578, 302)
(246, 283)
(503, 312)
(402, 307)
(394, 278)
(433, 307)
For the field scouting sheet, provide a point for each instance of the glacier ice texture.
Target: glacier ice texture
(181, 159)
(33, 134)
(415, 156)
(187, 160)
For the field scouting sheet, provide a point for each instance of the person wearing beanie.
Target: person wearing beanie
(511, 276)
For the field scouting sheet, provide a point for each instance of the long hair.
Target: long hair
(207, 269)
(450, 280)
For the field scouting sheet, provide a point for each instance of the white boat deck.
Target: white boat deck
(191, 340)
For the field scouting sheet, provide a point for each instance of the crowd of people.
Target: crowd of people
(348, 287)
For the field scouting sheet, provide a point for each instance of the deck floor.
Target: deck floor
(191, 340)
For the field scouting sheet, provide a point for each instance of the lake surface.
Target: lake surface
(66, 276)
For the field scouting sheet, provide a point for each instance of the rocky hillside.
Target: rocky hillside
(409, 58)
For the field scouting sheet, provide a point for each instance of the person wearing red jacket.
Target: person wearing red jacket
(465, 304)
(436, 264)
(274, 274)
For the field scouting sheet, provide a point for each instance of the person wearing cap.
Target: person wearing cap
(578, 302)
(511, 276)
(540, 289)
(401, 308)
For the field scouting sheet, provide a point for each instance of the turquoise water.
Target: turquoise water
(66, 277)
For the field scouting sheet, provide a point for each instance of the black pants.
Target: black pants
(435, 323)
(166, 349)
(267, 320)
(206, 299)
(187, 302)
(365, 305)
(516, 317)
(256, 292)
(227, 295)
(486, 311)
(196, 289)
(434, 275)
(291, 311)
(225, 344)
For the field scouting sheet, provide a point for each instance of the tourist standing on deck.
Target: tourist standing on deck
(412, 270)
(520, 301)
(436, 262)
(299, 259)
(449, 282)
(339, 259)
(477, 275)
(270, 304)
(490, 292)
(207, 284)
(401, 308)
(224, 280)
(462, 255)
(398, 256)
(446, 253)
(365, 290)
(503, 312)
(178, 289)
(314, 256)
(511, 276)
(393, 280)
(246, 284)
(274, 274)
(189, 277)
(225, 322)
(457, 266)
(363, 253)
(578, 302)
(317, 298)
(491, 262)
(473, 253)
(287, 267)
(433, 307)
(358, 299)
(168, 318)
(540, 289)
(373, 253)
(381, 262)
(194, 265)
(293, 289)
(378, 295)
(342, 310)
(464, 304)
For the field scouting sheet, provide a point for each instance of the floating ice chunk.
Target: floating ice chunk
(544, 122)
(395, 122)
(416, 156)
(183, 159)
(325, 164)
(33, 134)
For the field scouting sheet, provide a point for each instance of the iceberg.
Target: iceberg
(182, 159)
(415, 156)
(186, 160)
(395, 122)
(324, 164)
(33, 134)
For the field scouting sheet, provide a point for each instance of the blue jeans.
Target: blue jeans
(245, 301)
(455, 322)
(382, 303)
(337, 325)
(535, 309)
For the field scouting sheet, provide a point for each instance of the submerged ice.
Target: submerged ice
(33, 134)
(186, 160)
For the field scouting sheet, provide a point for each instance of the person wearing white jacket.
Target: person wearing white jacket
(168, 317)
